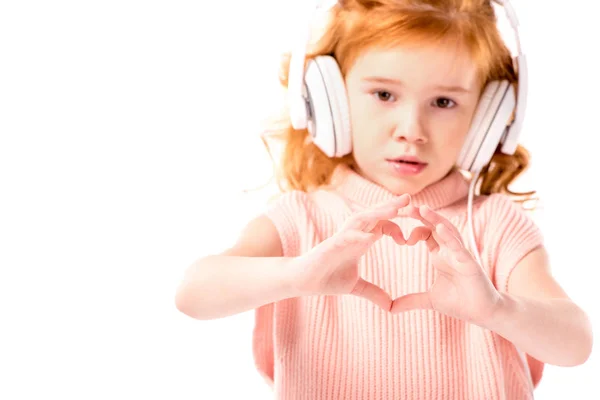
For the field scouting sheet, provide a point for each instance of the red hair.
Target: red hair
(355, 25)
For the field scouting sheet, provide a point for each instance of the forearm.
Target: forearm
(219, 286)
(554, 331)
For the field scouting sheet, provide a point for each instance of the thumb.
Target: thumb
(412, 301)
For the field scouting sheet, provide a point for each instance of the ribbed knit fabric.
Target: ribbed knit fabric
(345, 347)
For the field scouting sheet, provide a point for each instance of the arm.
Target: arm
(254, 272)
(250, 274)
(530, 310)
(538, 317)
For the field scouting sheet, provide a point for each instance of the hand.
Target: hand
(331, 267)
(461, 289)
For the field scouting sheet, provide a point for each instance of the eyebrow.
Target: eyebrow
(390, 81)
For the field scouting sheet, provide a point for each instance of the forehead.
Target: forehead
(422, 65)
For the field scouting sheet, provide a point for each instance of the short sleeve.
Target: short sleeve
(288, 212)
(512, 234)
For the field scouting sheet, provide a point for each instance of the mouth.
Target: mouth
(407, 165)
(410, 160)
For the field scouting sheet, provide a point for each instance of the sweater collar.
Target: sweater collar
(365, 193)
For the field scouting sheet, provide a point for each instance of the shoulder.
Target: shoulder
(510, 234)
(290, 221)
(258, 238)
(502, 221)
(273, 231)
(292, 215)
(496, 201)
(305, 218)
(321, 203)
(502, 208)
(288, 207)
(291, 198)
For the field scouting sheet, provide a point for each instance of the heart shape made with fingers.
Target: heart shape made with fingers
(461, 288)
(424, 233)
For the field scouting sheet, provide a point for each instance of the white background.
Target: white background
(128, 130)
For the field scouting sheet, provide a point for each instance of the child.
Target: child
(363, 283)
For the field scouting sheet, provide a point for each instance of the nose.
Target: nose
(409, 125)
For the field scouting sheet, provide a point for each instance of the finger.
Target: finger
(455, 253)
(425, 234)
(419, 233)
(432, 244)
(354, 237)
(435, 218)
(437, 241)
(454, 246)
(352, 243)
(412, 301)
(460, 252)
(390, 208)
(367, 220)
(451, 263)
(389, 228)
(413, 212)
(447, 238)
(373, 293)
(398, 202)
(444, 263)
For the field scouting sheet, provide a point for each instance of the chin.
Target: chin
(412, 185)
(399, 184)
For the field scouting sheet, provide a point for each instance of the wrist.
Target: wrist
(504, 310)
(292, 276)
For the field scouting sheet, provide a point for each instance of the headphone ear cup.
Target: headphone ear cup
(488, 126)
(329, 120)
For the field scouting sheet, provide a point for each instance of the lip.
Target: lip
(407, 158)
(407, 165)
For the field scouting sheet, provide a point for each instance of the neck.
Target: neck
(365, 193)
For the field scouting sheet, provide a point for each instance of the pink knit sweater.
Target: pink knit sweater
(344, 347)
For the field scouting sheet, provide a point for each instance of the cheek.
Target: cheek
(364, 121)
(367, 133)
(449, 139)
(461, 132)
(456, 127)
(359, 108)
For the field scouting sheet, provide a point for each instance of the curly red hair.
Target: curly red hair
(355, 25)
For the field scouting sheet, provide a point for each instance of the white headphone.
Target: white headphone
(318, 102)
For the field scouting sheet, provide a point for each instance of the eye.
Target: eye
(383, 95)
(444, 102)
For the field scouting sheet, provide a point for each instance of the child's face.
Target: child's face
(399, 108)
